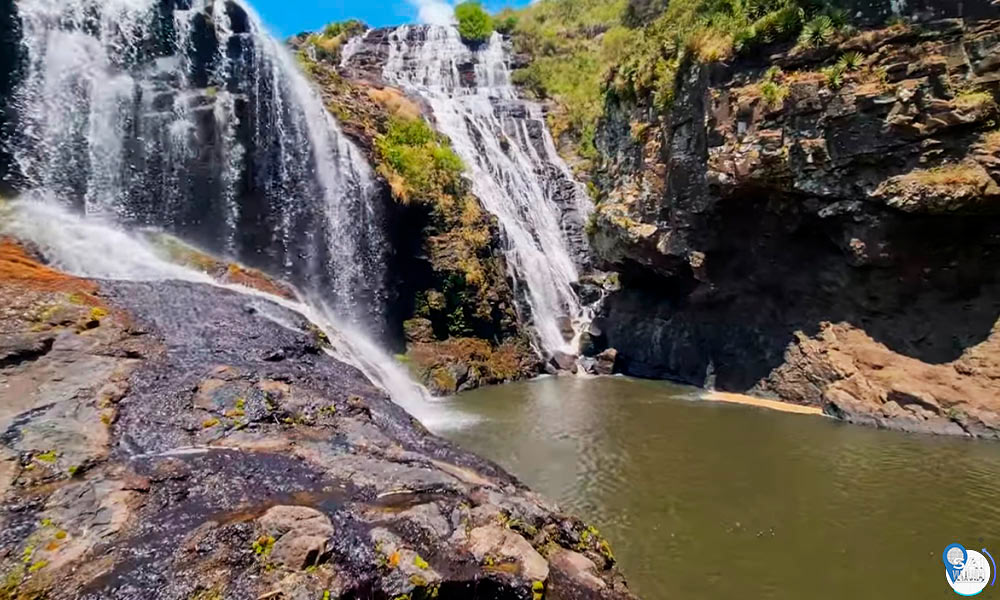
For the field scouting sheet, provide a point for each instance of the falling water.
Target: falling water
(95, 248)
(513, 165)
(186, 116)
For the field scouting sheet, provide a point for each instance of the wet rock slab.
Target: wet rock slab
(202, 443)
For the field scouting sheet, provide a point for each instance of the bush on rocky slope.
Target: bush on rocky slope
(474, 23)
(326, 44)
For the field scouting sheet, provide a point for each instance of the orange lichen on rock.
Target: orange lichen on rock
(252, 278)
(19, 268)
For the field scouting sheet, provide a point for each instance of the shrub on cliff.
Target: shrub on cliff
(417, 161)
(505, 21)
(326, 44)
(474, 23)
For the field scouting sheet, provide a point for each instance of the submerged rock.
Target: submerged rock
(564, 362)
(200, 442)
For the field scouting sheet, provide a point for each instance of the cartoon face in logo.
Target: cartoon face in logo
(967, 571)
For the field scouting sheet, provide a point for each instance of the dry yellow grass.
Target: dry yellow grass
(975, 102)
(711, 45)
(395, 102)
(947, 175)
(991, 141)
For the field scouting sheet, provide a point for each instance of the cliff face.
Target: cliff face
(827, 236)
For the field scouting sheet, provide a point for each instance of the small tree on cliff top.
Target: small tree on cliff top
(474, 23)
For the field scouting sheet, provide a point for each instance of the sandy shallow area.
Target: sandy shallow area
(771, 404)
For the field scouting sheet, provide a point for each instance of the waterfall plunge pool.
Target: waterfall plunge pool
(707, 500)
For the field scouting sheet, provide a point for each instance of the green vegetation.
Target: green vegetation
(586, 52)
(975, 101)
(47, 457)
(505, 21)
(474, 23)
(417, 162)
(834, 76)
(568, 64)
(263, 545)
(773, 93)
(817, 32)
(327, 43)
(851, 61)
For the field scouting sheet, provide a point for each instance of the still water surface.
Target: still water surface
(704, 500)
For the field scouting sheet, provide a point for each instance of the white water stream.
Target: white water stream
(477, 107)
(92, 247)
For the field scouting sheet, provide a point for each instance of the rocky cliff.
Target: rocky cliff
(819, 224)
(200, 442)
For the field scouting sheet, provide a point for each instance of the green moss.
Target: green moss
(37, 566)
(47, 457)
(537, 590)
(263, 545)
(444, 380)
(420, 562)
(209, 423)
(11, 582)
(474, 23)
(209, 594)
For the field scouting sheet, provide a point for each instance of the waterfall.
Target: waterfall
(512, 162)
(186, 116)
(95, 248)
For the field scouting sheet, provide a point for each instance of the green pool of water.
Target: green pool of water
(705, 500)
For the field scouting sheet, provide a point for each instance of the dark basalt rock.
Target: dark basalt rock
(807, 250)
(170, 451)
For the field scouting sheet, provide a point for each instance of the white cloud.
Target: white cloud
(434, 12)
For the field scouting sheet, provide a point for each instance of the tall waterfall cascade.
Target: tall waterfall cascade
(512, 161)
(186, 116)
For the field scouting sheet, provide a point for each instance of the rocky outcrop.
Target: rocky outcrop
(826, 240)
(200, 442)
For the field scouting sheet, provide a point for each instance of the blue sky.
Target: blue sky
(288, 17)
